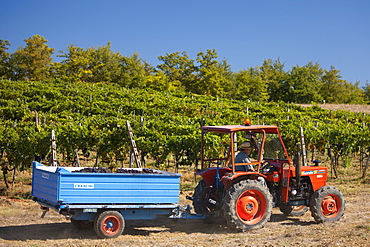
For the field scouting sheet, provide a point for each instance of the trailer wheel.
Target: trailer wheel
(327, 204)
(293, 210)
(82, 224)
(109, 224)
(247, 205)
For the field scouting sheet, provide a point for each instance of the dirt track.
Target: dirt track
(336, 107)
(21, 225)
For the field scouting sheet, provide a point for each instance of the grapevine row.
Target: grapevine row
(92, 117)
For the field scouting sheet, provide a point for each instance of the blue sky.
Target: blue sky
(244, 32)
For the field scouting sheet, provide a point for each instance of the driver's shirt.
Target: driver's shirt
(242, 157)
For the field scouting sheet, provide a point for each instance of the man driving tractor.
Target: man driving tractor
(243, 157)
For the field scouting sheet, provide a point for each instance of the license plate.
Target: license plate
(90, 210)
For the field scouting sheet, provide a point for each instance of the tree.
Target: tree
(333, 86)
(159, 82)
(250, 85)
(352, 94)
(273, 74)
(336, 90)
(76, 65)
(4, 57)
(32, 62)
(303, 84)
(179, 69)
(366, 89)
(209, 76)
(104, 64)
(134, 71)
(214, 78)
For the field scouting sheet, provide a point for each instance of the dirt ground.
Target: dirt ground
(21, 225)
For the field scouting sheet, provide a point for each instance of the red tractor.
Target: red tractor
(245, 198)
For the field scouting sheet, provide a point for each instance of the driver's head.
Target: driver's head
(246, 146)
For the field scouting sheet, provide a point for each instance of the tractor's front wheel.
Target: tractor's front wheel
(327, 204)
(247, 205)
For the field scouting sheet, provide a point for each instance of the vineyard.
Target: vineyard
(90, 120)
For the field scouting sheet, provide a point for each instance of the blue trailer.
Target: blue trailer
(105, 200)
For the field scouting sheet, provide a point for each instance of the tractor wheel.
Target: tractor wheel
(293, 210)
(82, 224)
(327, 204)
(109, 224)
(199, 198)
(247, 205)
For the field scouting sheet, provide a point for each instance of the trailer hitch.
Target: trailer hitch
(183, 212)
(45, 210)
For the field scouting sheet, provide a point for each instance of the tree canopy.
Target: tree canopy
(204, 75)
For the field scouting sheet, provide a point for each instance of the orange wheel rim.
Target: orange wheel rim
(111, 225)
(251, 207)
(330, 206)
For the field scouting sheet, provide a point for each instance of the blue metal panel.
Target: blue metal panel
(44, 183)
(66, 187)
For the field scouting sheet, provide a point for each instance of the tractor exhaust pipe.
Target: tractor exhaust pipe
(304, 159)
(297, 164)
(303, 148)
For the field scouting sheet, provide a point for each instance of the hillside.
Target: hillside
(90, 119)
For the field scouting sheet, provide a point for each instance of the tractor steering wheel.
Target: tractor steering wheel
(265, 168)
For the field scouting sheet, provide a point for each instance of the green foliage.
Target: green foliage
(4, 57)
(303, 84)
(212, 75)
(204, 75)
(250, 86)
(336, 90)
(134, 73)
(92, 117)
(88, 96)
(31, 62)
(273, 74)
(366, 89)
(179, 69)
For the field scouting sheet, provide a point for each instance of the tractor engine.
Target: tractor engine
(299, 193)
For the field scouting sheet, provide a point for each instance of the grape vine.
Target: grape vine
(90, 118)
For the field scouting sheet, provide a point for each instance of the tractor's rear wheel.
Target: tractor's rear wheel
(293, 210)
(247, 205)
(327, 204)
(109, 224)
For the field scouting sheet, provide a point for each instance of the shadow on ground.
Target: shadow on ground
(134, 228)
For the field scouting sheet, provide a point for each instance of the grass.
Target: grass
(6, 211)
(21, 189)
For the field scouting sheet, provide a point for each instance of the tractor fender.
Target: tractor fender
(231, 178)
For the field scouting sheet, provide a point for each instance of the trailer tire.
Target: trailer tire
(109, 224)
(247, 205)
(327, 204)
(294, 211)
(82, 224)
